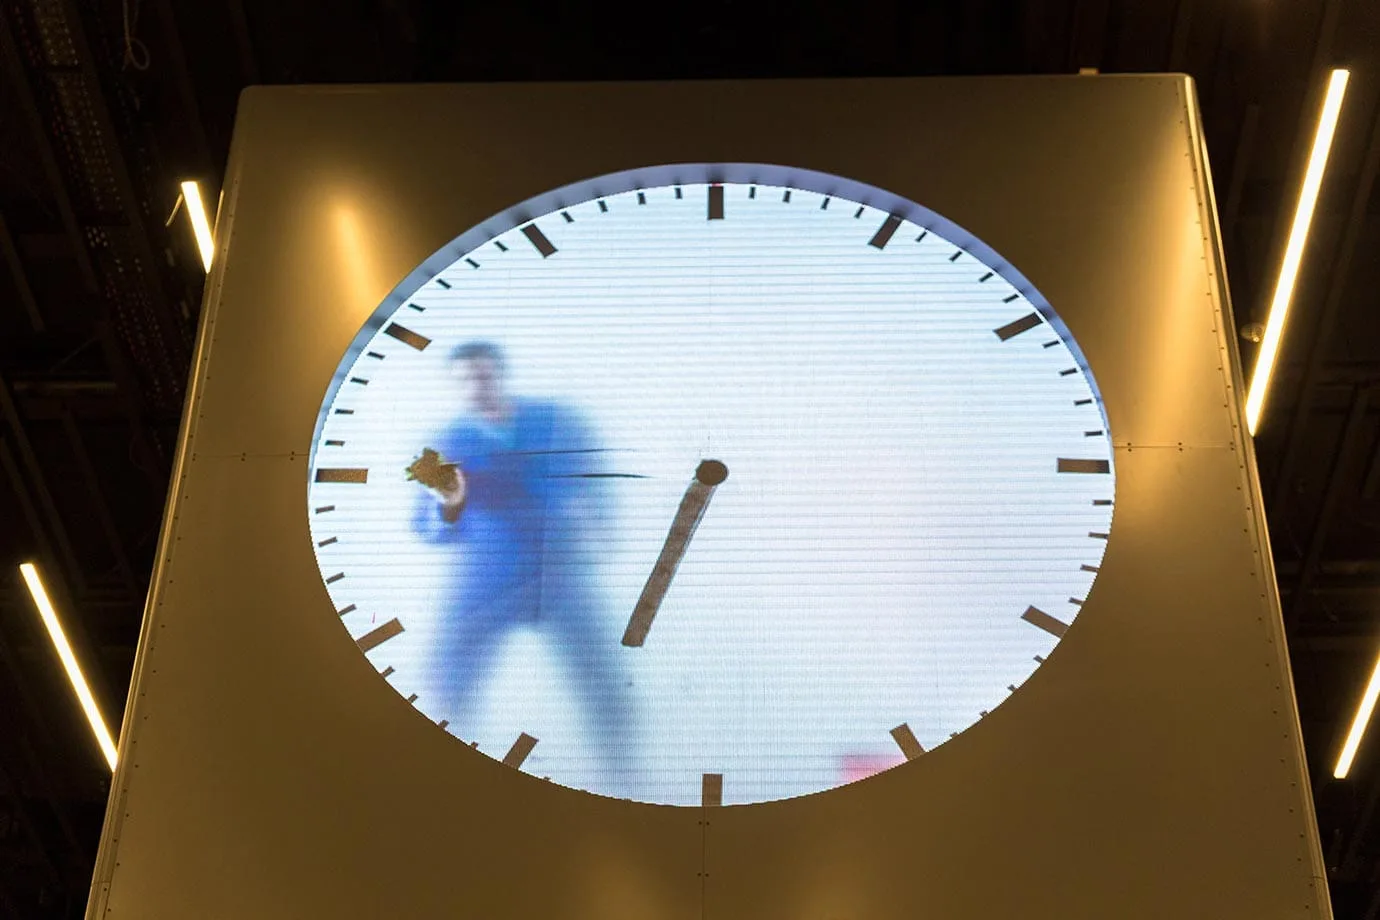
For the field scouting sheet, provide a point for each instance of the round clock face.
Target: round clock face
(717, 483)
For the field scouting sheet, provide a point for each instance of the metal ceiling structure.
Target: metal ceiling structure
(106, 105)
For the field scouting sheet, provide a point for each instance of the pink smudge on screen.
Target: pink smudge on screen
(853, 767)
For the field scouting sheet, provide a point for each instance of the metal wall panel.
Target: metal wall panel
(1152, 770)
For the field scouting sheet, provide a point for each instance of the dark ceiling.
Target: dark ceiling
(105, 105)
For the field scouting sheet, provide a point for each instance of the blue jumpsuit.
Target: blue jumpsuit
(523, 555)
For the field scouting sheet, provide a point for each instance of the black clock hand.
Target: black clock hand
(707, 477)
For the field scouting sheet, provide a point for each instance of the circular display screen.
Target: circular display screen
(711, 483)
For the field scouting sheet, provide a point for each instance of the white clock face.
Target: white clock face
(917, 497)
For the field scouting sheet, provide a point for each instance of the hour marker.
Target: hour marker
(328, 541)
(712, 790)
(407, 336)
(1011, 687)
(443, 283)
(1037, 617)
(905, 740)
(472, 263)
(1066, 465)
(344, 411)
(412, 698)
(1016, 327)
(679, 193)
(334, 578)
(604, 207)
(420, 309)
(858, 212)
(752, 191)
(824, 205)
(324, 508)
(379, 635)
(1102, 501)
(1093, 434)
(386, 671)
(986, 277)
(443, 724)
(885, 232)
(375, 355)
(641, 197)
(1050, 344)
(1089, 568)
(349, 608)
(921, 237)
(342, 475)
(333, 443)
(571, 220)
(539, 240)
(1076, 602)
(1039, 659)
(1016, 296)
(954, 257)
(501, 247)
(1082, 402)
(1097, 536)
(787, 196)
(519, 751)
(359, 380)
(1067, 371)
(716, 202)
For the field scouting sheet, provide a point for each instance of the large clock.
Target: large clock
(711, 481)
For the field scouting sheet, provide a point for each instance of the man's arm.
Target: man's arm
(436, 517)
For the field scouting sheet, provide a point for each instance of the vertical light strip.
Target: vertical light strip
(1293, 251)
(69, 661)
(201, 227)
(1359, 723)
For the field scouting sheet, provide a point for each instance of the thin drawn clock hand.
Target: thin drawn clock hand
(708, 475)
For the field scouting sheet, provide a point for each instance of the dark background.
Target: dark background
(105, 106)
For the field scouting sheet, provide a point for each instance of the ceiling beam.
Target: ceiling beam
(115, 356)
(1240, 168)
(239, 26)
(21, 280)
(98, 506)
(23, 91)
(1178, 38)
(1322, 526)
(163, 317)
(186, 92)
(37, 482)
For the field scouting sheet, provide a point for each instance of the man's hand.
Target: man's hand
(452, 495)
(443, 480)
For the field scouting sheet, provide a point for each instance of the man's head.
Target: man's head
(478, 367)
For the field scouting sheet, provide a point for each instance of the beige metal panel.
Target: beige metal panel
(274, 776)
(1151, 769)
(353, 187)
(1141, 774)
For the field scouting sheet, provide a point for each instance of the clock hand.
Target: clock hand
(707, 477)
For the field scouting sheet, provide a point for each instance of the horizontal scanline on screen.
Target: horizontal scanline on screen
(628, 285)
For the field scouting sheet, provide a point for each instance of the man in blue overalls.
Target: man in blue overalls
(518, 509)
